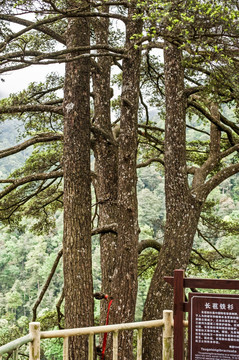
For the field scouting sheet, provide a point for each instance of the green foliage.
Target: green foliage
(188, 21)
(53, 348)
(216, 266)
(151, 199)
(47, 92)
(25, 267)
(48, 319)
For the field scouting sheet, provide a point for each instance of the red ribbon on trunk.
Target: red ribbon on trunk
(106, 323)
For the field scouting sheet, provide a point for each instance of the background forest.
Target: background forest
(27, 257)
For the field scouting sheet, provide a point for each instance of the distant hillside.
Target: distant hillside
(9, 136)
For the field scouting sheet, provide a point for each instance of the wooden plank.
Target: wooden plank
(225, 284)
(211, 284)
(169, 279)
(178, 314)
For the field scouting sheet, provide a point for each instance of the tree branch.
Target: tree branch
(29, 178)
(105, 229)
(96, 14)
(57, 54)
(150, 161)
(46, 137)
(145, 107)
(31, 108)
(229, 151)
(97, 131)
(204, 259)
(59, 255)
(229, 123)
(32, 25)
(149, 127)
(150, 137)
(203, 190)
(221, 126)
(150, 243)
(195, 129)
(205, 239)
(58, 308)
(26, 63)
(16, 205)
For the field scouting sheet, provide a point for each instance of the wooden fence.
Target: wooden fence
(35, 335)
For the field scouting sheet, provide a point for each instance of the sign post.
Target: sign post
(213, 326)
(213, 318)
(179, 298)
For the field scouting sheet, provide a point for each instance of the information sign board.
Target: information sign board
(213, 327)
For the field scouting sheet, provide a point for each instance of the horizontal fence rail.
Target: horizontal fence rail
(15, 344)
(35, 336)
(101, 329)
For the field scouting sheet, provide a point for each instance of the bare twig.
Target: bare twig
(204, 259)
(214, 247)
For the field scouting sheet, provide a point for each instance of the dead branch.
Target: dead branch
(204, 259)
(46, 285)
(205, 239)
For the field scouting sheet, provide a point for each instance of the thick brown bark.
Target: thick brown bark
(183, 205)
(182, 208)
(125, 273)
(106, 168)
(78, 287)
(105, 159)
(116, 186)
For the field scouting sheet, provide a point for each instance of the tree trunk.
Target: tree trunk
(106, 168)
(125, 274)
(78, 286)
(182, 209)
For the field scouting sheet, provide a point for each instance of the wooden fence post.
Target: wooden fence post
(65, 348)
(115, 345)
(168, 335)
(34, 348)
(15, 354)
(178, 314)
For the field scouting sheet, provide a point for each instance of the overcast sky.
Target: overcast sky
(19, 79)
